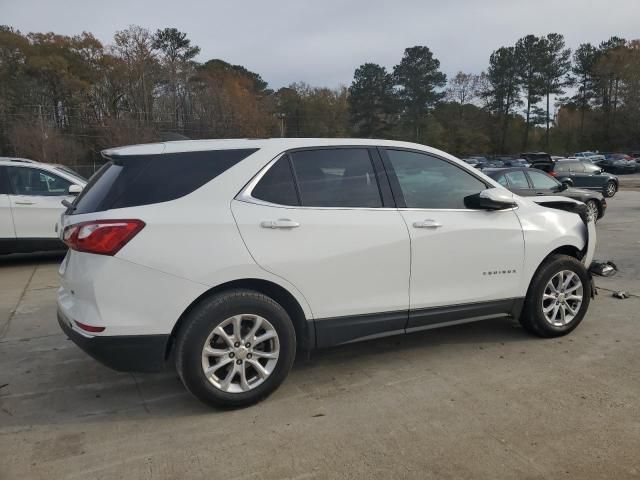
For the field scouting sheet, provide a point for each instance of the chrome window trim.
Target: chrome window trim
(245, 196)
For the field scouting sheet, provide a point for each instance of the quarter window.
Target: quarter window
(32, 181)
(517, 180)
(336, 177)
(428, 182)
(277, 185)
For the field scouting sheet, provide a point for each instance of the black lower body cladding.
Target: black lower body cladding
(124, 353)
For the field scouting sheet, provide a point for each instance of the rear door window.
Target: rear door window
(147, 179)
(577, 167)
(336, 177)
(277, 185)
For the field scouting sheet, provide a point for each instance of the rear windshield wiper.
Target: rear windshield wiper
(70, 206)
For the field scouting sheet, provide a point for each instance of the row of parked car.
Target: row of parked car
(587, 177)
(31, 192)
(617, 163)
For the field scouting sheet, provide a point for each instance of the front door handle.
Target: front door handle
(24, 203)
(280, 223)
(539, 193)
(427, 224)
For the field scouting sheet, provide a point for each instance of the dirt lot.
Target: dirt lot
(482, 400)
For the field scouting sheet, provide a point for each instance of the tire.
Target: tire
(610, 189)
(593, 209)
(221, 310)
(533, 317)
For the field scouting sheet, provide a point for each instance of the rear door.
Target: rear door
(324, 220)
(36, 201)
(593, 179)
(577, 173)
(7, 232)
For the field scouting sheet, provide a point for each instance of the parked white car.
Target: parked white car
(588, 156)
(31, 195)
(226, 256)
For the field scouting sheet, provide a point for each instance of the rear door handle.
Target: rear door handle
(539, 193)
(427, 224)
(24, 203)
(280, 223)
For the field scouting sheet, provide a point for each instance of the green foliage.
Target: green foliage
(372, 101)
(419, 79)
(63, 98)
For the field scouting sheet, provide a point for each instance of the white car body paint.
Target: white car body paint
(340, 262)
(32, 216)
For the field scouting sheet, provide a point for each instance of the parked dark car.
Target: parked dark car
(617, 165)
(529, 182)
(518, 162)
(576, 173)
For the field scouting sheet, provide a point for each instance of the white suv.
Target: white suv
(226, 256)
(31, 195)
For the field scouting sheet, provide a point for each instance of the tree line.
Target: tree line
(64, 98)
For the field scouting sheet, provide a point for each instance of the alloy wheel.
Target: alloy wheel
(562, 298)
(611, 189)
(592, 210)
(240, 353)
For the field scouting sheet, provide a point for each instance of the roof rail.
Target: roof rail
(18, 160)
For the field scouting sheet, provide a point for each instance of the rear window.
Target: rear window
(146, 179)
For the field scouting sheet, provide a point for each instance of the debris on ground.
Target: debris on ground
(621, 294)
(603, 268)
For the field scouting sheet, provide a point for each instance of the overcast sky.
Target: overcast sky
(321, 42)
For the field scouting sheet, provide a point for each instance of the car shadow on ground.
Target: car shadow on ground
(87, 392)
(34, 259)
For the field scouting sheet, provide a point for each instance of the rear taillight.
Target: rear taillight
(552, 173)
(103, 237)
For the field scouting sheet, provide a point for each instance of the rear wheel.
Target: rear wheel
(610, 189)
(558, 297)
(236, 348)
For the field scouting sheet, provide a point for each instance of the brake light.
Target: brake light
(103, 237)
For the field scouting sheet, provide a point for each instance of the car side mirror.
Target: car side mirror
(75, 189)
(490, 199)
(564, 186)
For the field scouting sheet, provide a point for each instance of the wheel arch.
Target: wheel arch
(304, 327)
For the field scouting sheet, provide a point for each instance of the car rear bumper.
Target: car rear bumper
(125, 353)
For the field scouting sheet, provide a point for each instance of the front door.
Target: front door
(464, 263)
(36, 201)
(319, 220)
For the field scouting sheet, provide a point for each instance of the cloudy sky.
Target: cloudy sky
(321, 42)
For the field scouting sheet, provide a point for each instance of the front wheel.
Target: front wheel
(593, 211)
(558, 297)
(235, 349)
(610, 189)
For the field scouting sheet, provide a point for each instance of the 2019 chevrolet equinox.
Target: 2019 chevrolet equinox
(226, 256)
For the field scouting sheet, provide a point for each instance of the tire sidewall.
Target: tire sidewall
(208, 316)
(535, 295)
